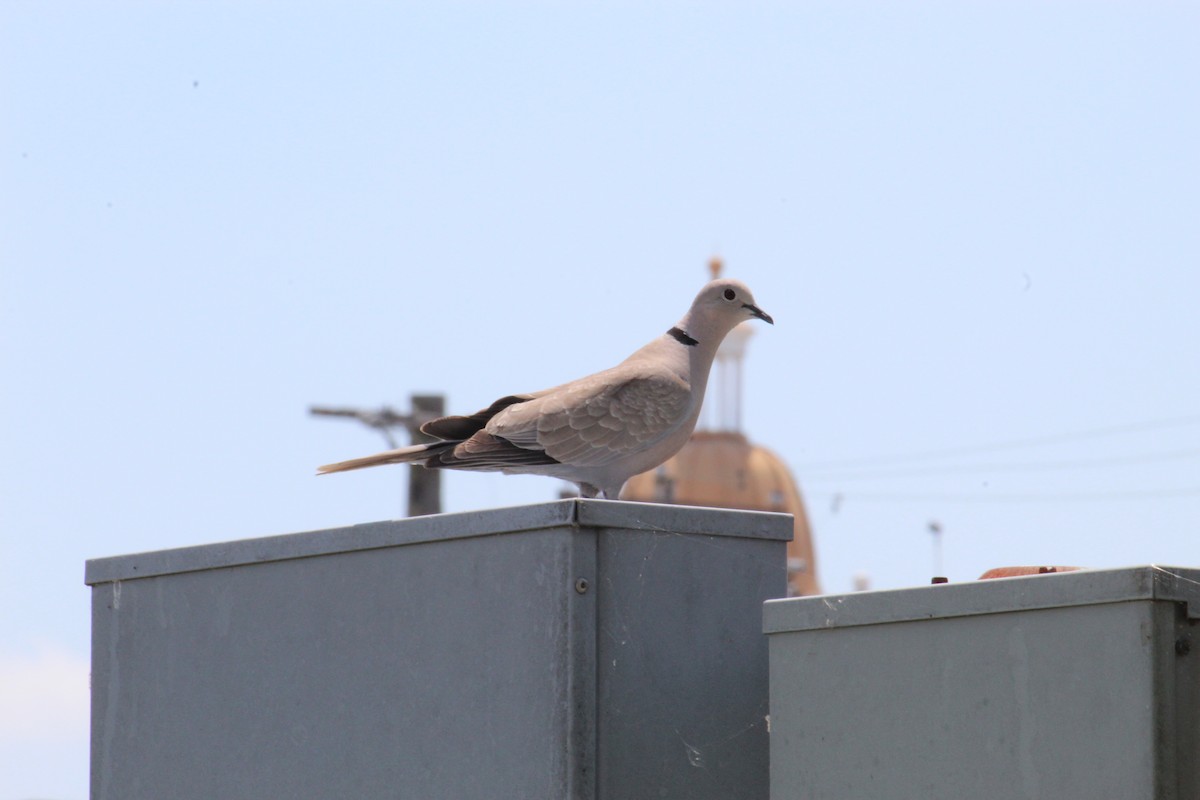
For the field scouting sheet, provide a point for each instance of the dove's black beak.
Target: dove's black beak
(758, 312)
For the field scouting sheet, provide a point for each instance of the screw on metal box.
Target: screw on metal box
(581, 585)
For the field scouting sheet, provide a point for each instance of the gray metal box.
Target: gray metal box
(577, 649)
(1072, 685)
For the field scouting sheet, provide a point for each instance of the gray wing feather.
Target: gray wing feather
(596, 422)
(484, 451)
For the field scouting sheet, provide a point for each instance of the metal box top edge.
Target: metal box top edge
(691, 519)
(994, 596)
(440, 527)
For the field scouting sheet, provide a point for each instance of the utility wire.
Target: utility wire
(1027, 466)
(991, 447)
(841, 498)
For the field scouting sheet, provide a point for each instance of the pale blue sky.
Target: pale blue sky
(973, 224)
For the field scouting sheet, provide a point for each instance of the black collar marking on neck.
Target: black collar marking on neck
(682, 337)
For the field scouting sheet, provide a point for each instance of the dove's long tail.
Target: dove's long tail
(416, 454)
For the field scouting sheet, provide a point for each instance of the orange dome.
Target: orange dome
(723, 469)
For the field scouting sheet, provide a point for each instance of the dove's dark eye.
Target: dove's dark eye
(730, 294)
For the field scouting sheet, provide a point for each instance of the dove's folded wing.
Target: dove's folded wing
(596, 421)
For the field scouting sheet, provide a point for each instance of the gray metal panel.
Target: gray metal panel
(683, 666)
(442, 657)
(1055, 590)
(352, 675)
(1064, 686)
(979, 707)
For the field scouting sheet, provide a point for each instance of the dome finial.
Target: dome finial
(714, 266)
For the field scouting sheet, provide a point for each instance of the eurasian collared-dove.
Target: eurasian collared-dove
(598, 431)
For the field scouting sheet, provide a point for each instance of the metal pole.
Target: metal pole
(424, 485)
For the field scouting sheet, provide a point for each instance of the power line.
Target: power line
(841, 498)
(1027, 466)
(1010, 444)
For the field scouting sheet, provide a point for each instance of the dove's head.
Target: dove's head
(725, 303)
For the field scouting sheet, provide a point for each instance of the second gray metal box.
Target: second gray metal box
(1071, 686)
